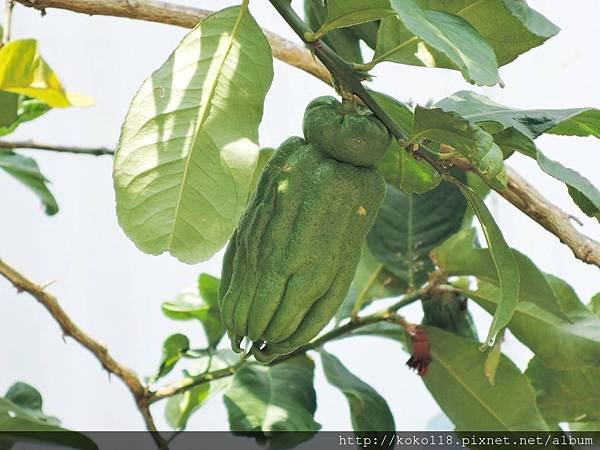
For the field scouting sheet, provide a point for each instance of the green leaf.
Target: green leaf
(180, 407)
(9, 103)
(492, 361)
(174, 348)
(511, 27)
(583, 192)
(27, 109)
(274, 398)
(22, 420)
(200, 304)
(557, 342)
(399, 168)
(468, 139)
(371, 282)
(504, 261)
(425, 37)
(594, 304)
(344, 13)
(460, 256)
(28, 173)
(584, 426)
(566, 395)
(344, 42)
(448, 311)
(188, 146)
(567, 298)
(457, 381)
(24, 395)
(24, 71)
(515, 129)
(368, 410)
(409, 226)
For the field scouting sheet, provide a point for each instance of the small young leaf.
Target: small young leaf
(27, 109)
(180, 407)
(368, 410)
(268, 399)
(174, 348)
(457, 381)
(493, 360)
(200, 304)
(24, 71)
(506, 266)
(409, 226)
(24, 395)
(27, 172)
(189, 144)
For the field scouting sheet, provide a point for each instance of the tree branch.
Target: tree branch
(525, 197)
(32, 145)
(8, 7)
(181, 16)
(69, 328)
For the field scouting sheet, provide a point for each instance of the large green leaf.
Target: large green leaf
(28, 172)
(530, 122)
(424, 37)
(22, 420)
(460, 256)
(558, 343)
(515, 129)
(504, 261)
(188, 146)
(511, 27)
(566, 395)
(467, 138)
(268, 399)
(24, 71)
(180, 407)
(26, 109)
(398, 166)
(368, 410)
(371, 282)
(409, 226)
(200, 303)
(457, 381)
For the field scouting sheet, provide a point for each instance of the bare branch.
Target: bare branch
(32, 145)
(69, 328)
(182, 16)
(8, 7)
(525, 197)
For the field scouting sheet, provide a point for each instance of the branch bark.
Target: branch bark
(69, 328)
(32, 145)
(525, 197)
(519, 193)
(181, 16)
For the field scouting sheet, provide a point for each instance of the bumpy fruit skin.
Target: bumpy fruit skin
(345, 131)
(291, 261)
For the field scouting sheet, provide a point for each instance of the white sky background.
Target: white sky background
(114, 292)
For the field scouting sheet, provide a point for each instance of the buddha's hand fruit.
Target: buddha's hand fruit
(291, 260)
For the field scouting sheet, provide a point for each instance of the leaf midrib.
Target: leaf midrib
(204, 111)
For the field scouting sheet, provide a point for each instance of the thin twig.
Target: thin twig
(69, 328)
(32, 145)
(182, 16)
(8, 8)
